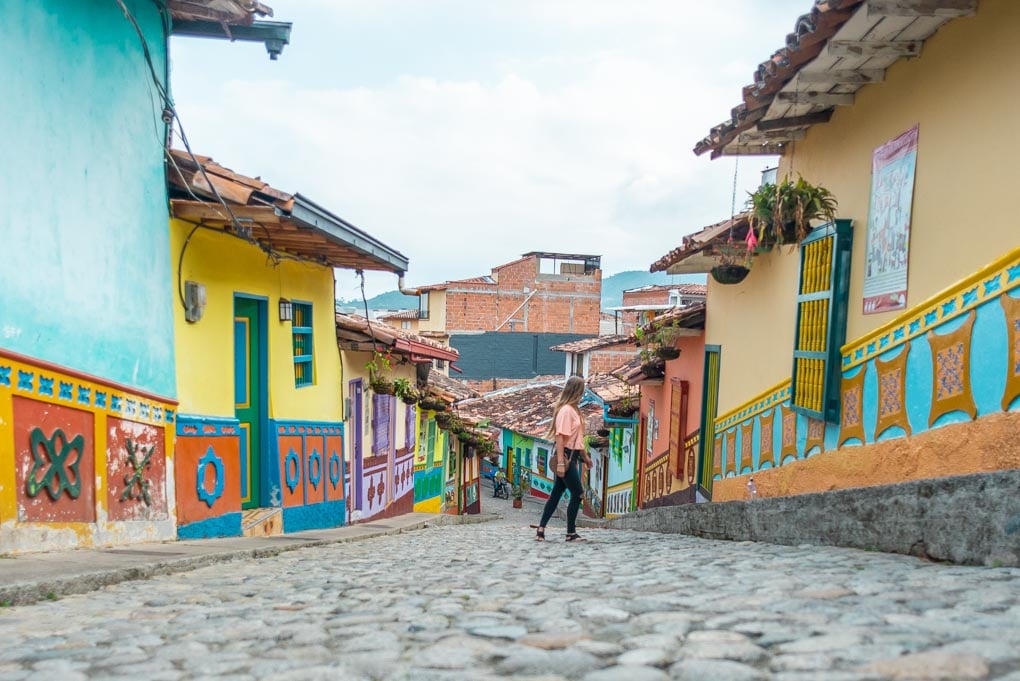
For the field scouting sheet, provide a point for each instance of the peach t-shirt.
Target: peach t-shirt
(568, 423)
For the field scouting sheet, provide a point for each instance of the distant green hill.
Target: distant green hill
(612, 290)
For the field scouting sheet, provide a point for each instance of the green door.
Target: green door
(249, 388)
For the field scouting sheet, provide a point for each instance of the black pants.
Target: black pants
(571, 481)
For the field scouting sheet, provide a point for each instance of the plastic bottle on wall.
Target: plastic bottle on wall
(752, 490)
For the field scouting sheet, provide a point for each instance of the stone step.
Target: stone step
(262, 522)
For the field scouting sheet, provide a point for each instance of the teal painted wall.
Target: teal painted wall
(86, 279)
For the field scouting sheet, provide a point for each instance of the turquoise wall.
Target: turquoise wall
(86, 278)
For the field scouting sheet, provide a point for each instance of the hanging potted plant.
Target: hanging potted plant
(431, 403)
(734, 261)
(407, 393)
(378, 367)
(782, 213)
(443, 419)
(625, 408)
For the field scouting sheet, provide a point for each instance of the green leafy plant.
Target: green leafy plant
(782, 213)
(403, 389)
(521, 487)
(378, 367)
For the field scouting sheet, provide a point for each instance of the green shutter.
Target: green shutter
(304, 369)
(709, 411)
(821, 320)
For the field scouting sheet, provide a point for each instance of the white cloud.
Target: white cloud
(577, 151)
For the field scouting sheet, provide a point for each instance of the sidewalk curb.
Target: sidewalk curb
(26, 593)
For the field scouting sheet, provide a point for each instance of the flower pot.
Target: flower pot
(382, 387)
(729, 274)
(602, 432)
(622, 412)
(667, 352)
(518, 503)
(654, 369)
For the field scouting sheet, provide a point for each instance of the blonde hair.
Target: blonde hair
(570, 396)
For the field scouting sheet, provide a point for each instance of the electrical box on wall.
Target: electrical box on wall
(194, 301)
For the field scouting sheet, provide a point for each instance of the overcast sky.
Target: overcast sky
(464, 133)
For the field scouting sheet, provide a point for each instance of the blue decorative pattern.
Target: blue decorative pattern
(46, 385)
(334, 469)
(205, 494)
(101, 399)
(1013, 273)
(26, 380)
(314, 468)
(84, 395)
(115, 402)
(66, 391)
(970, 297)
(292, 470)
(5, 376)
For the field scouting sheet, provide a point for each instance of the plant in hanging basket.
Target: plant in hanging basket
(667, 352)
(382, 386)
(431, 403)
(602, 432)
(407, 393)
(782, 213)
(654, 369)
(456, 424)
(443, 419)
(729, 273)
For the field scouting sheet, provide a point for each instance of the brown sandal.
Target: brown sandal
(539, 534)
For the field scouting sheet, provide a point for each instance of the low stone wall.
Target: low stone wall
(970, 519)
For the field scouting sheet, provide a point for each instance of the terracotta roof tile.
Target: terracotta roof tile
(705, 240)
(596, 343)
(527, 409)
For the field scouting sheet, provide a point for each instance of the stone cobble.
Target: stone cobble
(486, 601)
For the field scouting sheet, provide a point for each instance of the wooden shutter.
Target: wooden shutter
(409, 424)
(380, 424)
(678, 426)
(821, 320)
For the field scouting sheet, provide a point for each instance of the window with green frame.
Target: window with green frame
(822, 295)
(304, 367)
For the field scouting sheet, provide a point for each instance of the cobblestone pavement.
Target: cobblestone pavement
(486, 601)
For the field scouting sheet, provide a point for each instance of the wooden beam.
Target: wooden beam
(751, 137)
(214, 212)
(818, 98)
(736, 149)
(795, 121)
(842, 76)
(922, 8)
(874, 48)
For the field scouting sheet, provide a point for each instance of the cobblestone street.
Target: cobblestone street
(485, 601)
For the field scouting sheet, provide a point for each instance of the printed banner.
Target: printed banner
(888, 246)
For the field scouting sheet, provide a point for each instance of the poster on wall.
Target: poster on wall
(888, 245)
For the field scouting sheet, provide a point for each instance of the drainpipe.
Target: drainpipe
(406, 291)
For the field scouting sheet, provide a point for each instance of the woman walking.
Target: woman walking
(567, 429)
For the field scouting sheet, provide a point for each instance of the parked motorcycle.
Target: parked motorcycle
(500, 486)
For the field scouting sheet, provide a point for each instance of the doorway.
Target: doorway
(251, 393)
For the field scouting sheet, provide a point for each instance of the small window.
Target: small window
(439, 364)
(405, 325)
(304, 368)
(423, 305)
(674, 298)
(577, 364)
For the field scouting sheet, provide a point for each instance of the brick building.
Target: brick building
(599, 355)
(504, 323)
(640, 305)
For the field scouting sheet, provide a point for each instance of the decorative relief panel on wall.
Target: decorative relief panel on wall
(136, 471)
(54, 461)
(789, 441)
(1011, 306)
(717, 457)
(892, 393)
(815, 435)
(746, 446)
(951, 372)
(731, 453)
(852, 416)
(766, 452)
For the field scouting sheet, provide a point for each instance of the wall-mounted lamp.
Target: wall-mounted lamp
(194, 301)
(286, 310)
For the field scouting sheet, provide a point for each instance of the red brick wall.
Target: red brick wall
(652, 297)
(604, 361)
(557, 303)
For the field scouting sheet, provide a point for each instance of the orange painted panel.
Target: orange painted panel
(292, 470)
(136, 471)
(315, 468)
(208, 457)
(54, 458)
(334, 476)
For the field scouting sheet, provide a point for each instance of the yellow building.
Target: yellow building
(861, 356)
(260, 426)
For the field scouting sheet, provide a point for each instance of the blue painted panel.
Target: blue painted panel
(989, 358)
(242, 345)
(185, 422)
(314, 516)
(99, 258)
(227, 525)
